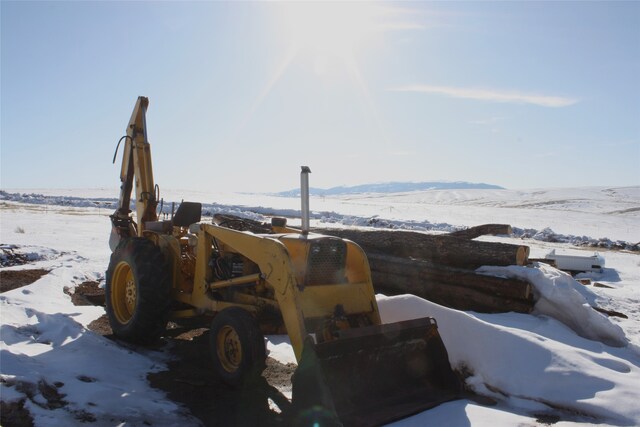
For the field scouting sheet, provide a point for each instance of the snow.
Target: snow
(44, 336)
(279, 347)
(564, 359)
(532, 359)
(605, 215)
(559, 296)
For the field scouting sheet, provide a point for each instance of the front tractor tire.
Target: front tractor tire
(137, 291)
(237, 346)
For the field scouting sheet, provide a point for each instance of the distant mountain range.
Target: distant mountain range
(391, 187)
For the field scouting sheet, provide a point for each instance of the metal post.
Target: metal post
(304, 195)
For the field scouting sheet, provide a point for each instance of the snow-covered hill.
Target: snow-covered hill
(391, 187)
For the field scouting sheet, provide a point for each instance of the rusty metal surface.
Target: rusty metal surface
(374, 375)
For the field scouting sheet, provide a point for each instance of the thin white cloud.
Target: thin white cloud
(492, 95)
(488, 121)
(401, 26)
(401, 153)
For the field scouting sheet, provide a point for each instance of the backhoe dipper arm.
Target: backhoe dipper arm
(136, 163)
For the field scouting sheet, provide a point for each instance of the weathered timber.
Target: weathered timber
(440, 249)
(602, 285)
(241, 224)
(428, 272)
(455, 288)
(610, 312)
(483, 230)
(457, 297)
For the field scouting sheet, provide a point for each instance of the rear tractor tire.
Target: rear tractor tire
(137, 291)
(237, 346)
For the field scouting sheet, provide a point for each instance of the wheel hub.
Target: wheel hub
(131, 294)
(124, 293)
(229, 349)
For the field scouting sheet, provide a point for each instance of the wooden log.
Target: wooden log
(455, 288)
(428, 272)
(241, 224)
(457, 297)
(610, 312)
(602, 285)
(483, 230)
(440, 249)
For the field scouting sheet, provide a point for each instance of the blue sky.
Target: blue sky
(518, 94)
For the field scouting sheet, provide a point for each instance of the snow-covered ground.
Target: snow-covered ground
(563, 360)
(603, 215)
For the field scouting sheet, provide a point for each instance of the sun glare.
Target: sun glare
(331, 33)
(332, 28)
(328, 36)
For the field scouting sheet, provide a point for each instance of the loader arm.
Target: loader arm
(136, 167)
(276, 269)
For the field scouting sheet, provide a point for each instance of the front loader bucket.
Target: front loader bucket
(373, 375)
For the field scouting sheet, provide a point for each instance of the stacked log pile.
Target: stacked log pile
(441, 268)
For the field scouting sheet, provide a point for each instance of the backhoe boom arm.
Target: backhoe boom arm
(136, 165)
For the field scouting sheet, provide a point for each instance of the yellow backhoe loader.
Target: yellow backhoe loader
(352, 369)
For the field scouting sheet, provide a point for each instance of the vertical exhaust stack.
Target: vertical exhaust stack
(304, 195)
